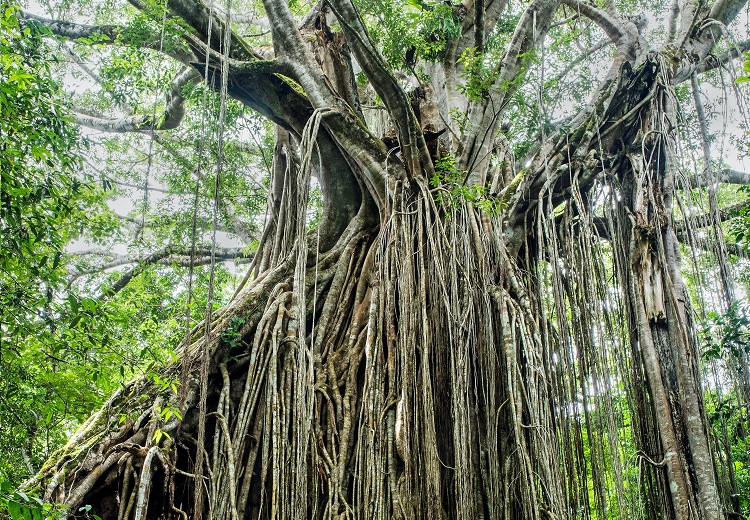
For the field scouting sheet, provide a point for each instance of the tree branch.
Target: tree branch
(674, 14)
(725, 11)
(715, 61)
(291, 51)
(199, 17)
(175, 106)
(386, 86)
(238, 18)
(493, 9)
(582, 149)
(172, 117)
(479, 26)
(105, 34)
(122, 125)
(580, 58)
(484, 114)
(695, 50)
(611, 26)
(168, 256)
(682, 229)
(689, 12)
(726, 176)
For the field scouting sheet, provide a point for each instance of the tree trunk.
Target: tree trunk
(659, 310)
(416, 356)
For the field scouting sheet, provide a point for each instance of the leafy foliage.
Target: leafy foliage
(419, 29)
(452, 188)
(18, 505)
(39, 163)
(727, 334)
(746, 69)
(42, 194)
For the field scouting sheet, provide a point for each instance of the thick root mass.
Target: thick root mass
(419, 391)
(415, 368)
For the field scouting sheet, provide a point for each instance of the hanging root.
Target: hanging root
(414, 370)
(378, 359)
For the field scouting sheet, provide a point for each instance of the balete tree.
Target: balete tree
(467, 299)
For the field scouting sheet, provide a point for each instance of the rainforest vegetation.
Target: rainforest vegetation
(374, 259)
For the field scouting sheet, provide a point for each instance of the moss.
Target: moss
(511, 188)
(295, 86)
(89, 433)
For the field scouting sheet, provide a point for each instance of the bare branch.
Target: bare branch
(704, 220)
(611, 26)
(580, 58)
(200, 17)
(125, 124)
(80, 63)
(674, 14)
(385, 84)
(726, 176)
(713, 62)
(596, 127)
(239, 227)
(685, 235)
(292, 53)
(239, 18)
(709, 32)
(173, 113)
(484, 114)
(152, 188)
(479, 26)
(493, 9)
(75, 31)
(168, 255)
(689, 12)
(105, 34)
(725, 11)
(175, 109)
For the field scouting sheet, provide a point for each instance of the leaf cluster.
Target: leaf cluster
(727, 334)
(452, 189)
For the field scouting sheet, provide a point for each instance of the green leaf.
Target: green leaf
(16, 510)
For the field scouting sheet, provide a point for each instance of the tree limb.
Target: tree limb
(291, 51)
(681, 226)
(239, 18)
(611, 26)
(725, 11)
(493, 9)
(585, 144)
(726, 176)
(580, 58)
(175, 107)
(479, 26)
(121, 125)
(385, 84)
(689, 11)
(105, 34)
(200, 17)
(164, 256)
(172, 117)
(715, 61)
(704, 220)
(202, 256)
(674, 14)
(484, 113)
(695, 50)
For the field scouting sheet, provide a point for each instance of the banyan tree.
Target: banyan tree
(483, 320)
